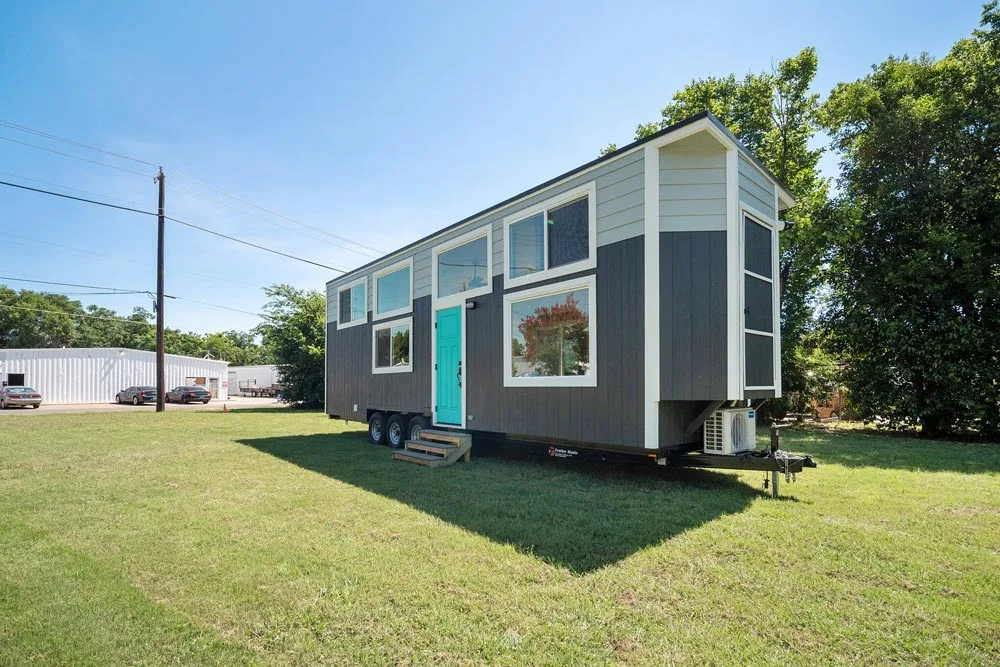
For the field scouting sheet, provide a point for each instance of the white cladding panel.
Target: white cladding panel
(96, 375)
(260, 376)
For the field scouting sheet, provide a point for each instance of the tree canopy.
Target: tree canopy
(295, 330)
(915, 278)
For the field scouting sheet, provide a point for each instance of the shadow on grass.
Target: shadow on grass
(574, 515)
(857, 448)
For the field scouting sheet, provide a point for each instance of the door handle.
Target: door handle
(459, 374)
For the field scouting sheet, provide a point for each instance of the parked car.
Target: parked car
(136, 395)
(188, 394)
(19, 397)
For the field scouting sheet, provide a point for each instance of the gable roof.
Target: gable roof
(572, 172)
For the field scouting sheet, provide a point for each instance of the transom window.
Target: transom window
(550, 335)
(555, 238)
(352, 307)
(393, 290)
(391, 344)
(463, 267)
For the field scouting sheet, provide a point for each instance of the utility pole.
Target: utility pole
(160, 366)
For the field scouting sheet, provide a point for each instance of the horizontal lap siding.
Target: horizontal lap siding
(693, 186)
(755, 189)
(693, 362)
(619, 217)
(349, 377)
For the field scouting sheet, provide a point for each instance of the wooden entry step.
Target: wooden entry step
(436, 448)
(453, 437)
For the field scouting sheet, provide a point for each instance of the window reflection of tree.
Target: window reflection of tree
(556, 339)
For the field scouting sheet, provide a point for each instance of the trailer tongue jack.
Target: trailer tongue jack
(773, 460)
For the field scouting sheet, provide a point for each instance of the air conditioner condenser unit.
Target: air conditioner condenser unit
(731, 431)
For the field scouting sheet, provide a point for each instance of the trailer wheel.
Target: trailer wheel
(395, 431)
(416, 425)
(376, 428)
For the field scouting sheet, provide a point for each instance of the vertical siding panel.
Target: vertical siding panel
(681, 328)
(701, 360)
(717, 317)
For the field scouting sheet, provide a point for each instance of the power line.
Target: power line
(108, 291)
(172, 219)
(97, 287)
(378, 252)
(25, 128)
(272, 222)
(66, 187)
(129, 261)
(76, 157)
(92, 317)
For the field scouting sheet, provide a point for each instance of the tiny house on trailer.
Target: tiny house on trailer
(614, 308)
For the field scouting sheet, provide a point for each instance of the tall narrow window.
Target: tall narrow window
(556, 238)
(391, 343)
(352, 305)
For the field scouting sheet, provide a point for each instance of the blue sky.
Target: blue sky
(377, 122)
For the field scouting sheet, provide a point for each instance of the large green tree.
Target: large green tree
(916, 278)
(775, 115)
(295, 330)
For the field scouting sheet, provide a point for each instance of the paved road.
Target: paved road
(235, 403)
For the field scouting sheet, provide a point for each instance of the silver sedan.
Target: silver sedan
(19, 397)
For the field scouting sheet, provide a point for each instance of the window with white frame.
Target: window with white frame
(391, 345)
(554, 238)
(393, 290)
(462, 267)
(550, 336)
(352, 304)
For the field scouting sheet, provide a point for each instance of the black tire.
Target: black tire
(417, 424)
(376, 428)
(205, 402)
(395, 432)
(166, 398)
(135, 400)
(184, 400)
(36, 406)
(3, 404)
(118, 399)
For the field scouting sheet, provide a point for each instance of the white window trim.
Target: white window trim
(590, 190)
(451, 244)
(590, 379)
(771, 224)
(348, 286)
(408, 308)
(389, 325)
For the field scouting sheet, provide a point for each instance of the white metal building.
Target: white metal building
(252, 376)
(97, 374)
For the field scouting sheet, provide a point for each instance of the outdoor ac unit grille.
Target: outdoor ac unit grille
(714, 433)
(730, 431)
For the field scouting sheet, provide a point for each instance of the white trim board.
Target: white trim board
(588, 190)
(380, 326)
(460, 298)
(381, 273)
(590, 379)
(344, 288)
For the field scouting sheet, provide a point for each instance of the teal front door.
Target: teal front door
(449, 376)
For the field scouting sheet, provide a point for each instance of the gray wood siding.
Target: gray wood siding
(692, 316)
(693, 186)
(756, 189)
(620, 211)
(349, 377)
(609, 414)
(675, 417)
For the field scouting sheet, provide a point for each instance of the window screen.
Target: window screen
(569, 231)
(757, 240)
(527, 246)
(758, 311)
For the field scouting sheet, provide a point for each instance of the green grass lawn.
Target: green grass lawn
(281, 538)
